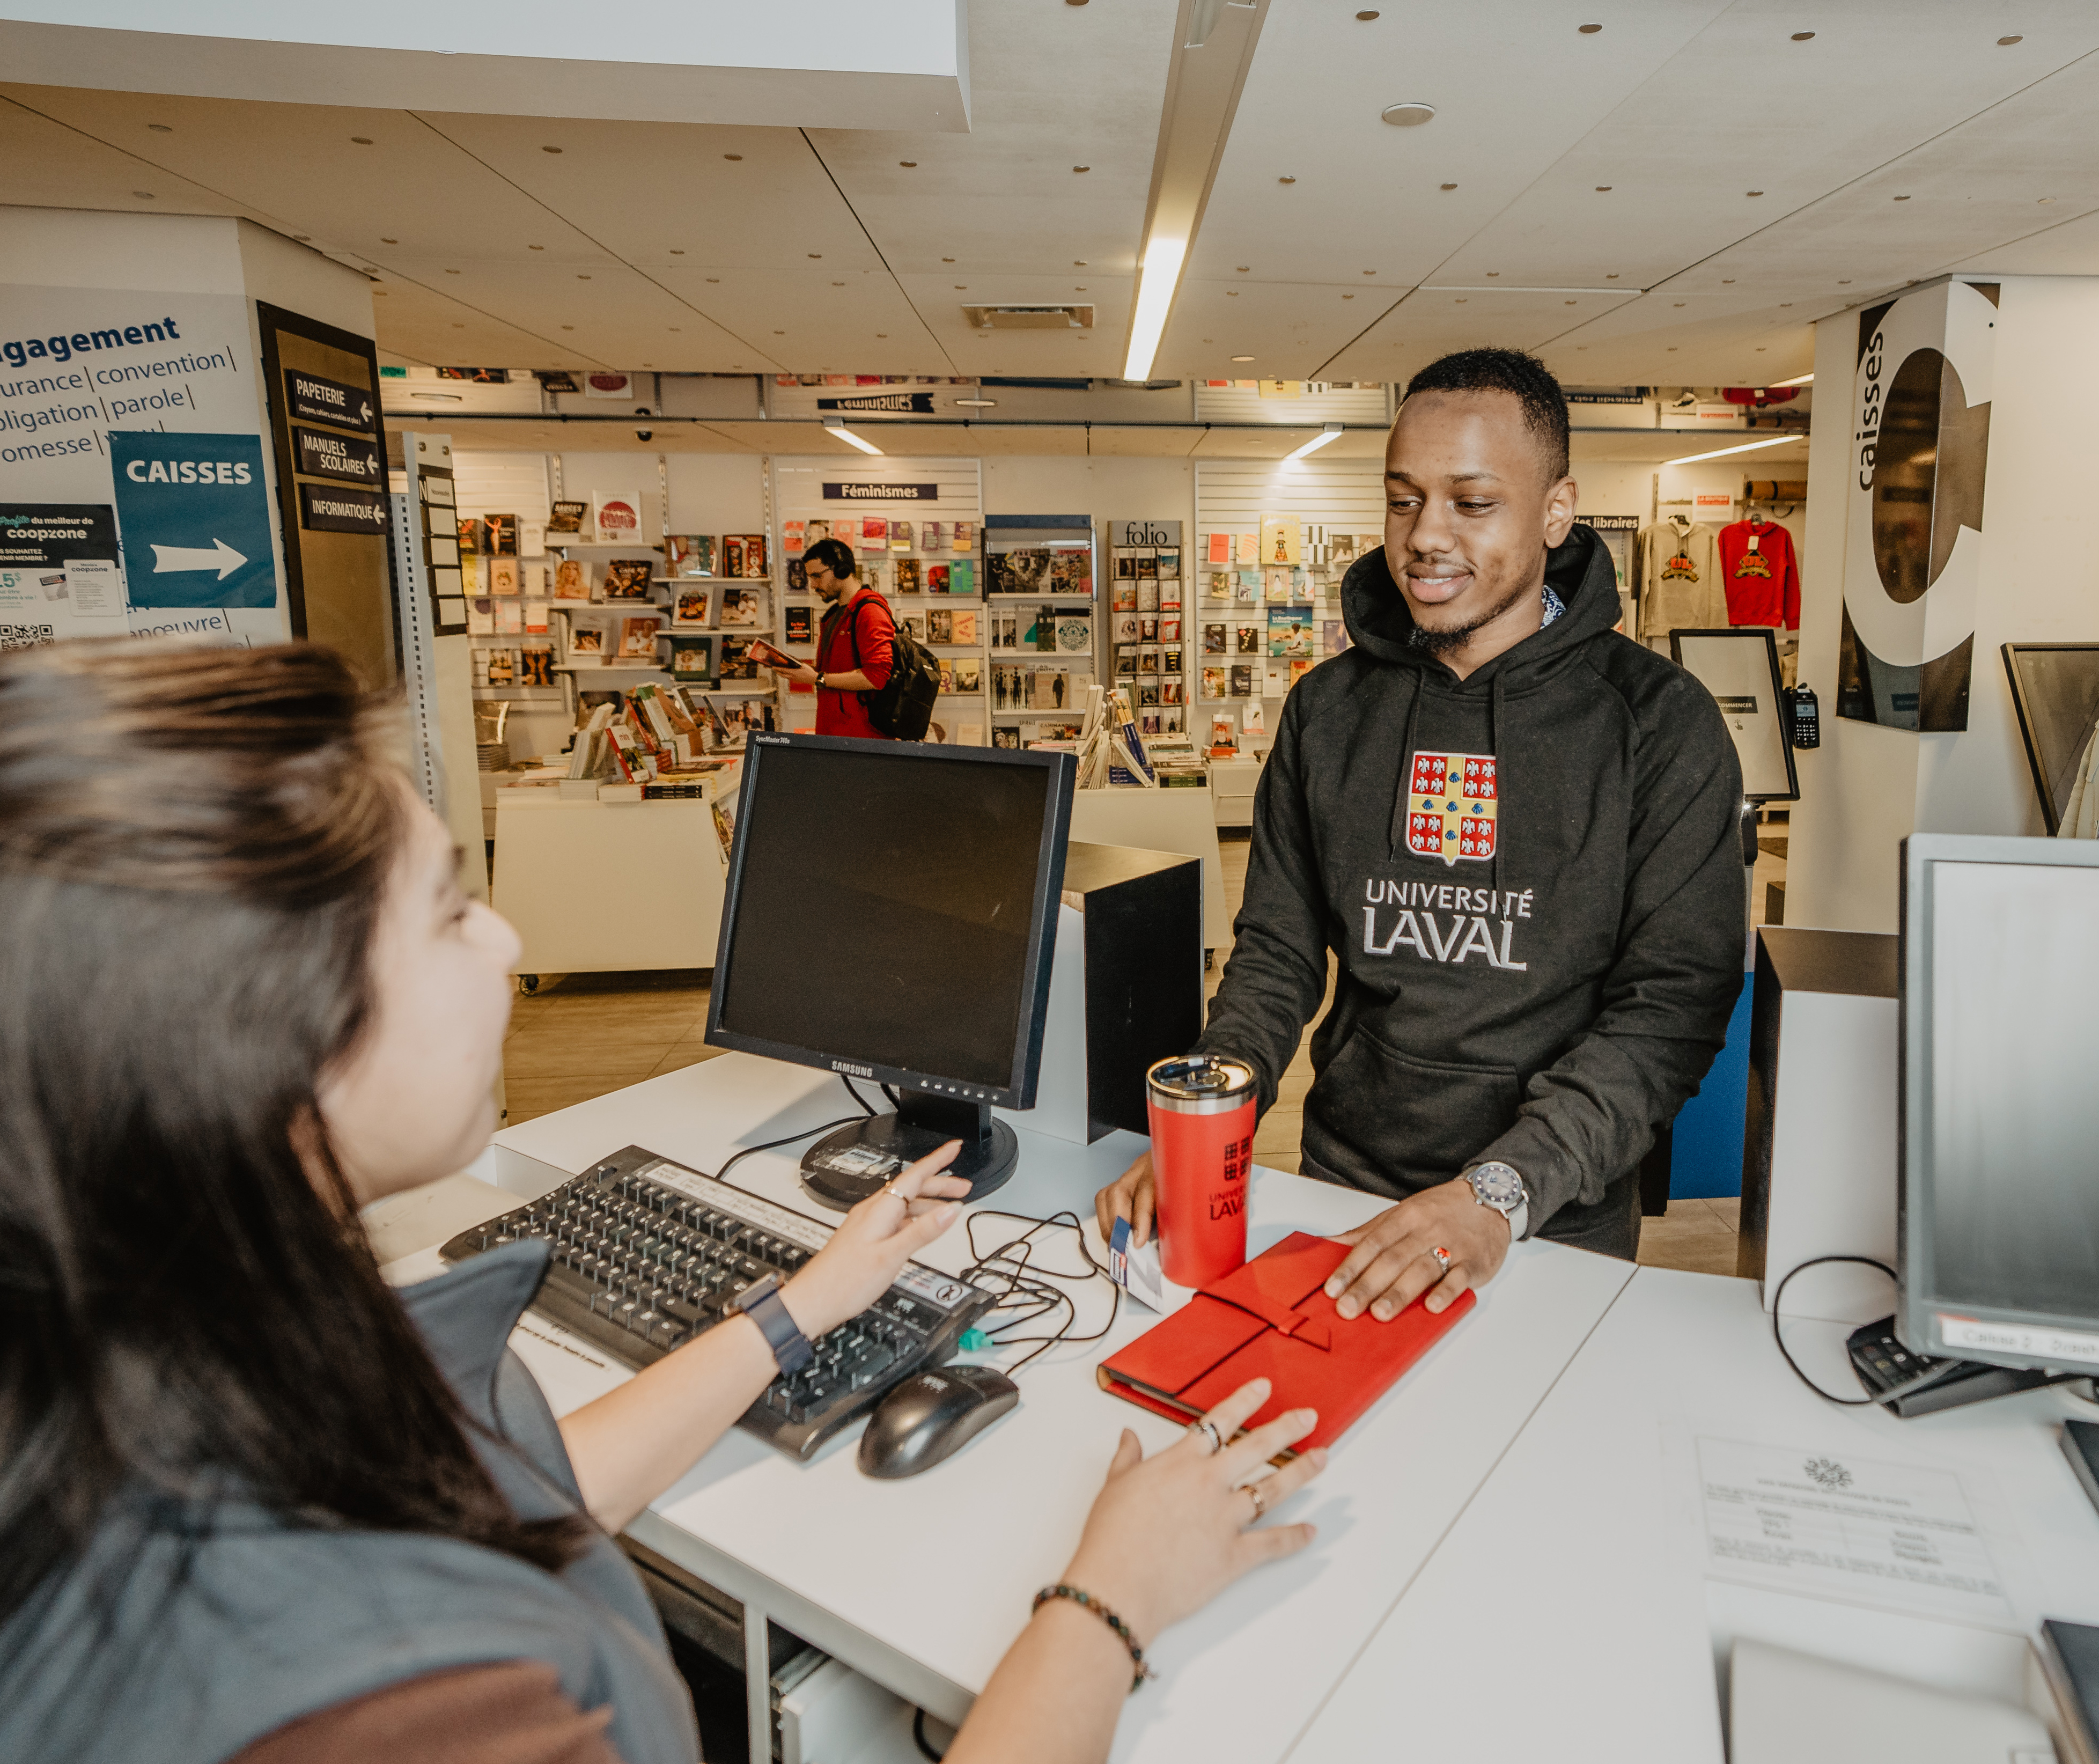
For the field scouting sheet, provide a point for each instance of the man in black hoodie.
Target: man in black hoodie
(1516, 831)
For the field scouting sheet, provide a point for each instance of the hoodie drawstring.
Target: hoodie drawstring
(1494, 748)
(1399, 836)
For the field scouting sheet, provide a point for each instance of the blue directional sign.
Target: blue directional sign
(193, 514)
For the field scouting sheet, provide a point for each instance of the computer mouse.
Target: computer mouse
(932, 1415)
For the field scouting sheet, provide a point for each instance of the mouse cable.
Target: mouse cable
(1012, 1261)
(806, 1132)
(1778, 1297)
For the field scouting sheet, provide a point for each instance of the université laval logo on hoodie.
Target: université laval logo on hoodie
(1450, 810)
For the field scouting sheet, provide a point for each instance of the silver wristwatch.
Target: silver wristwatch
(1499, 1186)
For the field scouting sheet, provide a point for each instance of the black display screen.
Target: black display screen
(884, 900)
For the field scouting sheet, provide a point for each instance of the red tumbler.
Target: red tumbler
(1202, 1110)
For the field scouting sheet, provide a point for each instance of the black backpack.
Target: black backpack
(902, 707)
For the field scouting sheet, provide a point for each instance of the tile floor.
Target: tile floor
(581, 1035)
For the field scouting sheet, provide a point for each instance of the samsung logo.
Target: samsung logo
(857, 1072)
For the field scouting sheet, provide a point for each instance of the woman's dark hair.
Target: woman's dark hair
(834, 555)
(193, 847)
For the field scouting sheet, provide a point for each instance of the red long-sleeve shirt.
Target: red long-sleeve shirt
(1763, 582)
(868, 646)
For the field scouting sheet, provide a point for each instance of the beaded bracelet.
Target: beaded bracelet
(1108, 1616)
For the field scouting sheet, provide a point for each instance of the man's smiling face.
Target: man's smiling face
(1472, 507)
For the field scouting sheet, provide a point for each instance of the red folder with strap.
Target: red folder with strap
(1271, 1319)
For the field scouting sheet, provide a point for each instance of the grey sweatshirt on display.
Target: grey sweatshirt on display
(1532, 880)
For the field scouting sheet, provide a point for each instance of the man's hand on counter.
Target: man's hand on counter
(1390, 1265)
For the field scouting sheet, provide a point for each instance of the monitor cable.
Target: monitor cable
(1778, 1298)
(1031, 1291)
(774, 1145)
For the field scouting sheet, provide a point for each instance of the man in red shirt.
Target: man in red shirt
(854, 642)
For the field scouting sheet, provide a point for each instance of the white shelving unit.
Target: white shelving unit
(1040, 551)
(1147, 622)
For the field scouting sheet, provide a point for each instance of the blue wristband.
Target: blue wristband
(761, 1303)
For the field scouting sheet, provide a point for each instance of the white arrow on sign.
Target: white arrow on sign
(364, 413)
(221, 557)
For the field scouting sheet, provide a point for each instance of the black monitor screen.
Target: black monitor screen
(882, 907)
(2011, 1113)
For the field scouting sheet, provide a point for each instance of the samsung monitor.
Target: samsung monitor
(891, 916)
(1998, 1240)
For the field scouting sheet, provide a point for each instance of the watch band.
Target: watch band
(761, 1303)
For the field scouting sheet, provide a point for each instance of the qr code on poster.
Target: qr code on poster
(26, 636)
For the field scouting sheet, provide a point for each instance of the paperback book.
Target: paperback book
(616, 515)
(535, 665)
(498, 537)
(626, 578)
(907, 575)
(741, 607)
(572, 579)
(691, 658)
(936, 579)
(900, 536)
(504, 577)
(799, 625)
(1075, 633)
(566, 517)
(962, 577)
(1290, 631)
(688, 609)
(637, 639)
(693, 554)
(1214, 639)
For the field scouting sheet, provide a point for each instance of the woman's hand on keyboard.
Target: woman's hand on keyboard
(868, 1251)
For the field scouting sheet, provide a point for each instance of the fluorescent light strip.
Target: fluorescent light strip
(850, 438)
(1156, 282)
(1721, 453)
(1797, 380)
(1332, 431)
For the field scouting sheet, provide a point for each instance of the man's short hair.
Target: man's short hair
(1518, 373)
(834, 555)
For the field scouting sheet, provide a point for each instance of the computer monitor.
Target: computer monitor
(2000, 1113)
(891, 915)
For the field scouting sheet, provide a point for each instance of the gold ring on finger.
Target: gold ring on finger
(1210, 1428)
(1259, 1503)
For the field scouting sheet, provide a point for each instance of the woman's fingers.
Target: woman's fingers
(1227, 1416)
(1236, 1461)
(912, 1181)
(1444, 1294)
(917, 1231)
(1265, 1543)
(1278, 1486)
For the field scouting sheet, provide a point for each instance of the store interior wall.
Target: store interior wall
(1868, 788)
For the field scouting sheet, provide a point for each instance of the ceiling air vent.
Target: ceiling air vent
(1030, 318)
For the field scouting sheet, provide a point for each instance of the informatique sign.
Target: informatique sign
(194, 511)
(341, 457)
(881, 490)
(323, 508)
(311, 399)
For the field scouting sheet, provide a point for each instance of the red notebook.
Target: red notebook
(1271, 1319)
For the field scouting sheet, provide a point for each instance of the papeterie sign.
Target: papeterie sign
(881, 492)
(313, 399)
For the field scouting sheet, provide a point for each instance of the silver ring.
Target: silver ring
(1217, 1439)
(1444, 1258)
(890, 1188)
(1259, 1505)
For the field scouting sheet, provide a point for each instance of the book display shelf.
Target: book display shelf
(915, 527)
(1148, 622)
(1042, 604)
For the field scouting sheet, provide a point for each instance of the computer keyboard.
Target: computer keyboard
(647, 1254)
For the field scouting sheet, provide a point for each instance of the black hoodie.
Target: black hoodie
(1532, 879)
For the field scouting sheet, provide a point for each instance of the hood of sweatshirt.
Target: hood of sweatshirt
(1580, 572)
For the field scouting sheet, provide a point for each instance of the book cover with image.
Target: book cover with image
(637, 639)
(1246, 589)
(969, 675)
(940, 627)
(740, 606)
(1290, 631)
(535, 618)
(572, 579)
(874, 531)
(535, 665)
(692, 659)
(1071, 571)
(691, 554)
(1123, 597)
(1250, 640)
(961, 577)
(469, 535)
(1147, 596)
(1242, 679)
(1215, 682)
(936, 579)
(965, 626)
(793, 537)
(616, 516)
(750, 555)
(509, 619)
(1214, 640)
(626, 578)
(1170, 662)
(737, 661)
(567, 517)
(587, 640)
(688, 611)
(481, 617)
(1169, 596)
(907, 575)
(800, 626)
(1169, 564)
(932, 535)
(1075, 633)
(964, 538)
(1169, 628)
(500, 667)
(900, 536)
(1220, 586)
(498, 535)
(504, 577)
(1334, 636)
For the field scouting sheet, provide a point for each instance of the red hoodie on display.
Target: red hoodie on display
(1757, 568)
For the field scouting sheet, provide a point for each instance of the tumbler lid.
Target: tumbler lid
(1199, 1084)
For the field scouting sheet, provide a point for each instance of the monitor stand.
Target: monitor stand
(846, 1166)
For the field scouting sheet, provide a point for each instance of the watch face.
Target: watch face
(1497, 1185)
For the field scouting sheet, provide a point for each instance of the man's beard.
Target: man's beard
(1442, 642)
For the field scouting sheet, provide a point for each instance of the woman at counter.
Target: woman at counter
(253, 1504)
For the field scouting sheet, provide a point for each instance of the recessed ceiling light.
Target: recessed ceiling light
(2045, 199)
(1231, 294)
(908, 165)
(1603, 189)
(1242, 357)
(674, 328)
(396, 242)
(1612, 277)
(451, 272)
(550, 150)
(1460, 300)
(1078, 290)
(2006, 43)
(1676, 303)
(815, 255)
(1410, 113)
(1082, 168)
(1348, 296)
(1801, 37)
(1364, 18)
(779, 333)
(1902, 199)
(881, 334)
(1567, 303)
(714, 278)
(583, 278)
(675, 251)
(568, 328)
(441, 398)
(1672, 348)
(962, 287)
(1753, 192)
(732, 156)
(144, 195)
(1760, 348)
(365, 140)
(459, 324)
(1370, 272)
(307, 239)
(1449, 187)
(1726, 281)
(1588, 30)
(1491, 273)
(1844, 281)
(947, 260)
(1786, 303)
(1286, 180)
